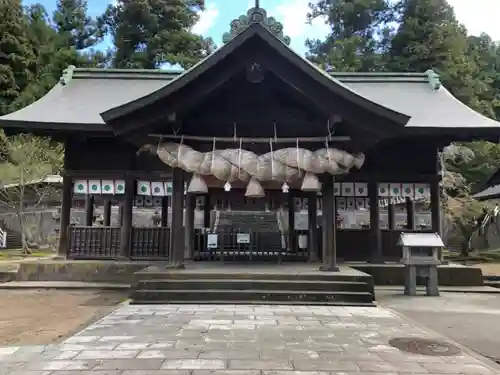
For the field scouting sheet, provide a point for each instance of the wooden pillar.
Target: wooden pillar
(189, 226)
(126, 225)
(89, 210)
(164, 212)
(65, 218)
(436, 207)
(120, 213)
(107, 212)
(375, 234)
(436, 218)
(312, 219)
(292, 245)
(410, 214)
(329, 227)
(391, 215)
(207, 209)
(176, 258)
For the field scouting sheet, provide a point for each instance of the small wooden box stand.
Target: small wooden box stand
(420, 257)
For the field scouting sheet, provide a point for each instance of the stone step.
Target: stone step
(290, 285)
(245, 296)
(6, 276)
(286, 303)
(247, 274)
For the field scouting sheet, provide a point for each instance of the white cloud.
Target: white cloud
(479, 16)
(293, 15)
(207, 19)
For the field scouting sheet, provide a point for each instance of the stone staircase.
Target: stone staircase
(266, 237)
(244, 221)
(252, 287)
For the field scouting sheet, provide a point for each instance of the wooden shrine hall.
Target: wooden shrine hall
(248, 130)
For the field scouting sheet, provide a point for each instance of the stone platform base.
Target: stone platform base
(123, 272)
(253, 283)
(448, 275)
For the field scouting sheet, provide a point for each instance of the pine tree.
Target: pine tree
(430, 37)
(358, 38)
(58, 44)
(486, 54)
(150, 33)
(15, 53)
(73, 24)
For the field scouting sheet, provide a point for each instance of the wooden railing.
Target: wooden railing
(237, 245)
(150, 243)
(94, 242)
(104, 243)
(153, 244)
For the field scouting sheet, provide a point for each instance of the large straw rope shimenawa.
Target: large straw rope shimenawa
(282, 165)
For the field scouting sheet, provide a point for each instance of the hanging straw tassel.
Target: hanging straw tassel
(254, 189)
(310, 183)
(197, 185)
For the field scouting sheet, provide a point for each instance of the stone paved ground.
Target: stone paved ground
(237, 340)
(472, 319)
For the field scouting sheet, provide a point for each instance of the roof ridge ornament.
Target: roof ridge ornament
(256, 15)
(67, 75)
(433, 79)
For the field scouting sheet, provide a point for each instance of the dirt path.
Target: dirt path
(35, 317)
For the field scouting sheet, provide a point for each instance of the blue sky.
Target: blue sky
(478, 16)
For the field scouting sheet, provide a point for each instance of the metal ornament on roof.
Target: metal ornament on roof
(256, 15)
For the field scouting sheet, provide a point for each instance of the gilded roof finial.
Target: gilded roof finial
(256, 15)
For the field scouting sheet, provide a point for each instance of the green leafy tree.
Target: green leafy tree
(31, 160)
(56, 45)
(359, 35)
(486, 54)
(150, 33)
(74, 26)
(459, 208)
(475, 162)
(430, 37)
(15, 53)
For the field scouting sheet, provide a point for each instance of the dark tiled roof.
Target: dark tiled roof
(91, 92)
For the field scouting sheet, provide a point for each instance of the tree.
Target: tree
(461, 211)
(486, 54)
(359, 34)
(57, 45)
(32, 159)
(15, 53)
(74, 26)
(475, 162)
(150, 33)
(430, 37)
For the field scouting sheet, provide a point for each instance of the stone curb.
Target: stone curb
(62, 285)
(487, 289)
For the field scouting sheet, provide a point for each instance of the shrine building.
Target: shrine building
(251, 132)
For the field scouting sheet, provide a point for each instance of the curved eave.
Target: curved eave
(333, 85)
(51, 127)
(48, 115)
(492, 192)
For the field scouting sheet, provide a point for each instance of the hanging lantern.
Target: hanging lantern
(285, 188)
(254, 189)
(310, 183)
(227, 186)
(197, 185)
